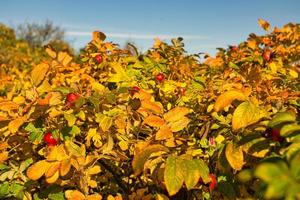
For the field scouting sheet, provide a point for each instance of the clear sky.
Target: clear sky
(204, 25)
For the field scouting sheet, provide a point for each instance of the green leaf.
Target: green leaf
(71, 119)
(282, 117)
(288, 129)
(227, 189)
(17, 190)
(191, 172)
(57, 196)
(295, 166)
(36, 134)
(74, 149)
(234, 156)
(246, 114)
(173, 175)
(4, 189)
(271, 171)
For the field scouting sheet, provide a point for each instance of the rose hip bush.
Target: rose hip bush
(116, 124)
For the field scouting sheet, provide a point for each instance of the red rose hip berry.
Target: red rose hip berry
(275, 134)
(160, 77)
(99, 59)
(213, 182)
(267, 55)
(49, 139)
(71, 98)
(134, 90)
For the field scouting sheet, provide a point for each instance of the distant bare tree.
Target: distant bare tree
(38, 35)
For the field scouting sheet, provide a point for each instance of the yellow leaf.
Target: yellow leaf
(3, 156)
(142, 156)
(74, 195)
(219, 139)
(176, 114)
(170, 142)
(39, 72)
(164, 133)
(50, 52)
(264, 24)
(152, 106)
(293, 73)
(123, 145)
(19, 100)
(65, 167)
(251, 44)
(92, 183)
(226, 99)
(94, 197)
(37, 170)
(53, 168)
(57, 153)
(161, 197)
(94, 170)
(234, 156)
(8, 106)
(66, 60)
(179, 124)
(154, 121)
(246, 114)
(53, 179)
(98, 36)
(3, 145)
(15, 124)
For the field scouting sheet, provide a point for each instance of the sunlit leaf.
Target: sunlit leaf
(226, 99)
(39, 72)
(234, 156)
(176, 114)
(179, 124)
(141, 157)
(173, 175)
(264, 24)
(15, 124)
(246, 114)
(154, 121)
(164, 133)
(282, 117)
(37, 170)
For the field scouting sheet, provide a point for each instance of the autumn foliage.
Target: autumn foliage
(113, 124)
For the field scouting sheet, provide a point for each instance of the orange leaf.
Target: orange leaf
(152, 106)
(154, 121)
(164, 133)
(8, 106)
(227, 98)
(15, 124)
(37, 170)
(74, 195)
(3, 156)
(176, 114)
(264, 24)
(53, 178)
(65, 167)
(54, 166)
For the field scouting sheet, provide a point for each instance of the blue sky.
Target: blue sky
(204, 25)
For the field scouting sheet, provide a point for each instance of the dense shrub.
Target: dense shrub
(160, 125)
